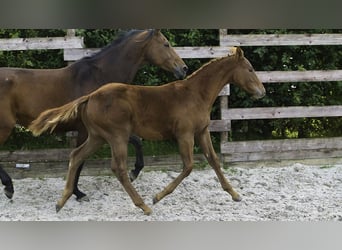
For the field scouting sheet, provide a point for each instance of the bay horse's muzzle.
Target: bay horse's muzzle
(180, 71)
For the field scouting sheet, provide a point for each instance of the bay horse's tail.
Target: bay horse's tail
(49, 119)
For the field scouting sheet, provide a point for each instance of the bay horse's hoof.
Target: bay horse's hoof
(132, 176)
(9, 192)
(155, 200)
(83, 198)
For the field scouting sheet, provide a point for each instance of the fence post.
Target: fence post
(71, 135)
(70, 33)
(223, 99)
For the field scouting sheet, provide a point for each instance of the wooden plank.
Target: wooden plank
(281, 112)
(37, 155)
(299, 76)
(202, 52)
(37, 43)
(281, 145)
(280, 39)
(225, 91)
(94, 167)
(74, 54)
(286, 149)
(284, 155)
(219, 125)
(264, 76)
(183, 52)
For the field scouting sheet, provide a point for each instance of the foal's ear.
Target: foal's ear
(156, 31)
(239, 53)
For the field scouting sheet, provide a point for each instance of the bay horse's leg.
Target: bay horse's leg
(5, 130)
(186, 147)
(80, 196)
(119, 167)
(206, 145)
(7, 182)
(77, 156)
(139, 158)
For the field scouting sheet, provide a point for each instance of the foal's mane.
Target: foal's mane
(208, 63)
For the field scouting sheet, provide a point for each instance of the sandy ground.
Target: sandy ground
(293, 193)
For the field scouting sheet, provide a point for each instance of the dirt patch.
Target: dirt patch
(293, 193)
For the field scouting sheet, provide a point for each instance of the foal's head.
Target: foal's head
(160, 52)
(245, 77)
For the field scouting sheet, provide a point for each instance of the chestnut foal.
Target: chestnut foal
(178, 110)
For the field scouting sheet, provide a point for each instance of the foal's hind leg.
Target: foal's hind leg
(139, 158)
(207, 147)
(76, 157)
(119, 167)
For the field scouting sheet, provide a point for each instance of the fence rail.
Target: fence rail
(285, 149)
(280, 39)
(41, 43)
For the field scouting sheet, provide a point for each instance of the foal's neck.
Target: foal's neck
(209, 80)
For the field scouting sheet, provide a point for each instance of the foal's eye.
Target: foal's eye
(167, 45)
(251, 70)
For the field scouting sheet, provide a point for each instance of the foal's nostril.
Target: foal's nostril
(185, 68)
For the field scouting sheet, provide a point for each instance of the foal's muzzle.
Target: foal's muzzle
(260, 93)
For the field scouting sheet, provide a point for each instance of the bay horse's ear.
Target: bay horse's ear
(239, 53)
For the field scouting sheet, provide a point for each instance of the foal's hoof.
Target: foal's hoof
(237, 198)
(9, 192)
(58, 208)
(83, 198)
(148, 212)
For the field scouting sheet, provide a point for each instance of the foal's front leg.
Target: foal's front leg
(119, 167)
(208, 150)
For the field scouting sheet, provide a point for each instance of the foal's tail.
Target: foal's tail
(49, 119)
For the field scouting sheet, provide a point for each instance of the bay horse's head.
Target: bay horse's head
(245, 76)
(160, 53)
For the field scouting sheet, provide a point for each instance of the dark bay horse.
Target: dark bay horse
(178, 110)
(25, 93)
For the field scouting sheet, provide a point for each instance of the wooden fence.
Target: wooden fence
(290, 148)
(73, 48)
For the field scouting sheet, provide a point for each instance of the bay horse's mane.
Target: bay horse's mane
(121, 37)
(84, 67)
(231, 52)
